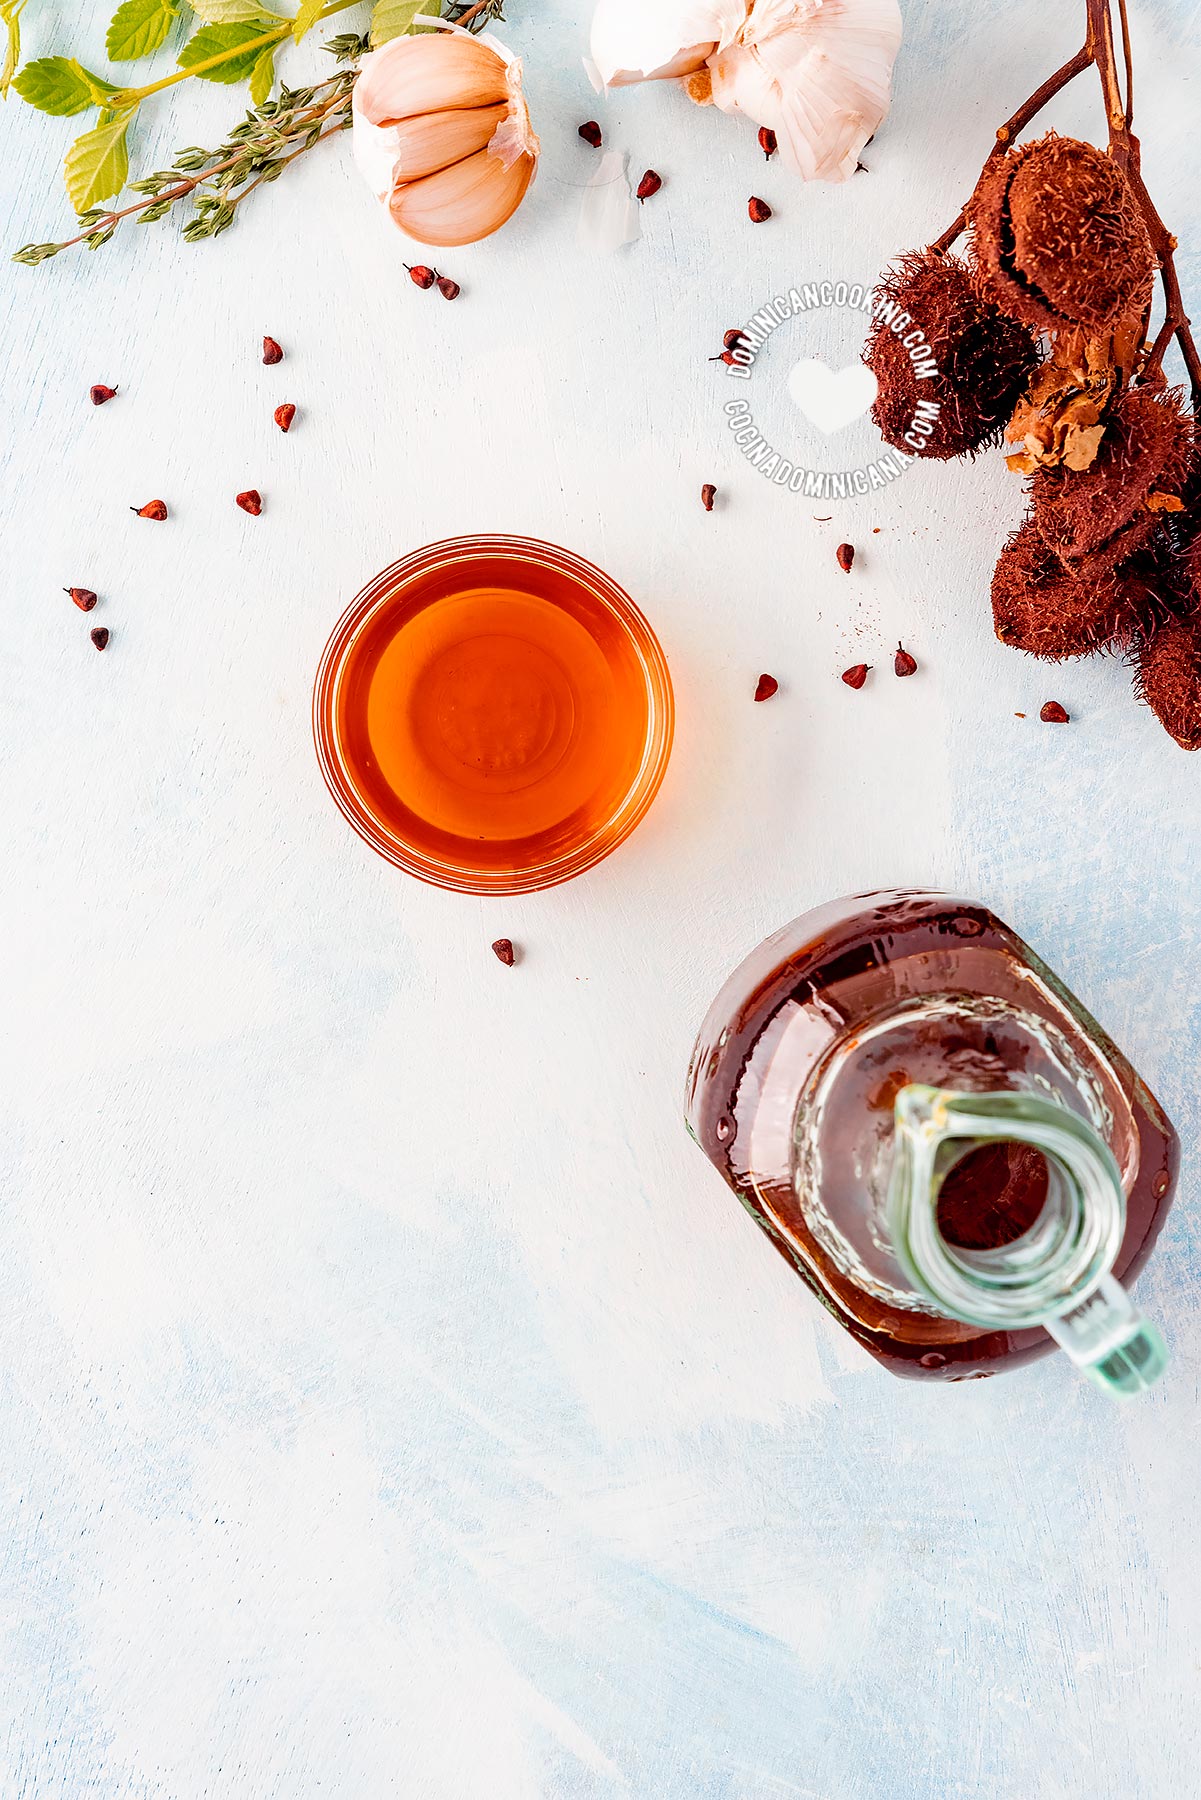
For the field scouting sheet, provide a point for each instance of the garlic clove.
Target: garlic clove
(818, 76)
(463, 203)
(656, 40)
(433, 72)
(432, 141)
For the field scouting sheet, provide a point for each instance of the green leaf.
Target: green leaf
(392, 18)
(306, 18)
(56, 84)
(138, 27)
(234, 12)
(263, 79)
(10, 13)
(97, 163)
(217, 40)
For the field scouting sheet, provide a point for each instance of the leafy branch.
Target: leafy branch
(258, 150)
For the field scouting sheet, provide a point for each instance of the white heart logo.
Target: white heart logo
(831, 398)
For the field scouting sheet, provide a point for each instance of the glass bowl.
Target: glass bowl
(493, 714)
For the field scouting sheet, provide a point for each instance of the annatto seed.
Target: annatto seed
(504, 952)
(272, 352)
(100, 394)
(84, 598)
(766, 686)
(1055, 714)
(283, 415)
(846, 556)
(758, 209)
(856, 675)
(251, 502)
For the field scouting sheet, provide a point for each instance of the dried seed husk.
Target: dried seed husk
(1141, 466)
(1059, 420)
(1168, 678)
(984, 359)
(1053, 610)
(1057, 237)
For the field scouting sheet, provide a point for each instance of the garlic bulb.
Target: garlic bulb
(817, 72)
(442, 134)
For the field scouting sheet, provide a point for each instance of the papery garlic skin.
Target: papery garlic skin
(653, 40)
(442, 134)
(817, 72)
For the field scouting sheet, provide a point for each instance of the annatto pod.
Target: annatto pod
(984, 359)
(1054, 610)
(1138, 474)
(1057, 238)
(442, 134)
(1168, 678)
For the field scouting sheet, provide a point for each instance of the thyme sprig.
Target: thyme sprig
(257, 150)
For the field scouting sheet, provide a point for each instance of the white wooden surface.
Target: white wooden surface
(394, 1402)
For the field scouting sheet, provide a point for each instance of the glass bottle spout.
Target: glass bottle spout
(1056, 1272)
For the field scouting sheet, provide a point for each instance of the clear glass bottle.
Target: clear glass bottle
(940, 1139)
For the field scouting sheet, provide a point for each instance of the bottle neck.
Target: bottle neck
(1057, 1273)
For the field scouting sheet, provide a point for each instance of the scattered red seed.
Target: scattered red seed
(1054, 714)
(734, 338)
(856, 675)
(903, 663)
(100, 394)
(84, 598)
(251, 501)
(421, 276)
(650, 184)
(767, 141)
(766, 686)
(272, 352)
(504, 952)
(283, 415)
(99, 636)
(724, 356)
(758, 209)
(153, 509)
(708, 496)
(846, 556)
(1018, 715)
(449, 290)
(590, 131)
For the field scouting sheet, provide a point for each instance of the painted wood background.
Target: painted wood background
(394, 1402)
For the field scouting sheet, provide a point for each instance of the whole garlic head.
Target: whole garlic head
(442, 134)
(818, 72)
